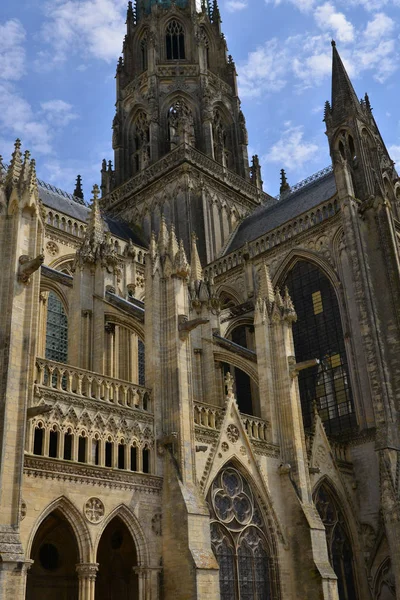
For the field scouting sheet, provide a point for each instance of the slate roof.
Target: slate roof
(265, 218)
(76, 208)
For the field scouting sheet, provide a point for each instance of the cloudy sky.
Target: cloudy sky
(57, 89)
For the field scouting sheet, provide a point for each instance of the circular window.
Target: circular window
(117, 539)
(49, 557)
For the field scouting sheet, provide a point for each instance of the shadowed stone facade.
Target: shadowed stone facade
(200, 382)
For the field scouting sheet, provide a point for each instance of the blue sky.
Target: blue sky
(57, 89)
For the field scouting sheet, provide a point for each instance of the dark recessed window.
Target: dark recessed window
(175, 40)
(56, 330)
(49, 557)
(318, 334)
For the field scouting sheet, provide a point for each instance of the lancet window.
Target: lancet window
(221, 140)
(318, 334)
(238, 539)
(175, 41)
(180, 124)
(143, 53)
(56, 330)
(141, 142)
(339, 546)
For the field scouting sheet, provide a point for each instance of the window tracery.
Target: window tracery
(175, 41)
(338, 542)
(56, 330)
(238, 539)
(180, 124)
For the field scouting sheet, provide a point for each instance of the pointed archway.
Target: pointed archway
(117, 559)
(55, 553)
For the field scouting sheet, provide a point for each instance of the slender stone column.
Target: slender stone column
(87, 578)
(147, 582)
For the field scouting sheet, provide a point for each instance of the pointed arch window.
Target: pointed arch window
(143, 53)
(318, 334)
(175, 41)
(238, 539)
(56, 330)
(338, 541)
(221, 141)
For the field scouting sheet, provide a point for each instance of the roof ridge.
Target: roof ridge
(305, 182)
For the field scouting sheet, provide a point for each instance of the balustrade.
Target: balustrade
(78, 382)
(206, 415)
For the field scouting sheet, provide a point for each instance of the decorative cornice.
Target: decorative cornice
(48, 468)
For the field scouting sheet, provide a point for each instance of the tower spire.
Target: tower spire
(344, 98)
(78, 192)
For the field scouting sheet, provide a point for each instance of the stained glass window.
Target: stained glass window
(338, 541)
(238, 539)
(56, 330)
(318, 334)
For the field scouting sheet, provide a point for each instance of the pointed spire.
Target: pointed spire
(182, 268)
(25, 167)
(32, 179)
(344, 98)
(215, 14)
(129, 15)
(288, 306)
(95, 226)
(195, 264)
(78, 192)
(266, 289)
(285, 187)
(173, 244)
(14, 170)
(153, 246)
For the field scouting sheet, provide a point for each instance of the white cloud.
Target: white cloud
(381, 25)
(12, 51)
(303, 5)
(328, 19)
(58, 112)
(89, 27)
(394, 153)
(291, 151)
(235, 5)
(264, 71)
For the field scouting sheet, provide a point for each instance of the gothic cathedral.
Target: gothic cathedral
(200, 383)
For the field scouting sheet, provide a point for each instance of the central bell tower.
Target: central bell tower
(177, 100)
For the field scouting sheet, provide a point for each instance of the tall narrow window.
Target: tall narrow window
(338, 541)
(143, 53)
(239, 539)
(175, 41)
(146, 460)
(141, 142)
(180, 124)
(318, 334)
(82, 442)
(133, 458)
(141, 363)
(53, 443)
(38, 440)
(68, 446)
(56, 330)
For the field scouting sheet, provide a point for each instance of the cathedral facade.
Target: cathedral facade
(200, 383)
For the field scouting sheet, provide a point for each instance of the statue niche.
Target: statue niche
(180, 124)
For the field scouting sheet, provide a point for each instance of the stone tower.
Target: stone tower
(177, 109)
(368, 192)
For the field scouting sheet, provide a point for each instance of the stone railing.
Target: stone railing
(86, 384)
(210, 417)
(183, 153)
(256, 428)
(273, 238)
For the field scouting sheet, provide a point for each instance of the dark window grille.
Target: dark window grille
(56, 330)
(318, 334)
(141, 362)
(175, 40)
(338, 541)
(238, 539)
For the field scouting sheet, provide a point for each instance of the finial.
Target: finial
(285, 187)
(195, 264)
(95, 192)
(367, 102)
(109, 166)
(333, 44)
(229, 381)
(104, 165)
(78, 192)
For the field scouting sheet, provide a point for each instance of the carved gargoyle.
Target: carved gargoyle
(27, 266)
(34, 411)
(185, 326)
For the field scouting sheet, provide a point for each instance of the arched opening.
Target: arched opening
(222, 140)
(117, 557)
(318, 334)
(338, 542)
(239, 539)
(385, 587)
(140, 143)
(175, 41)
(55, 553)
(246, 390)
(56, 330)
